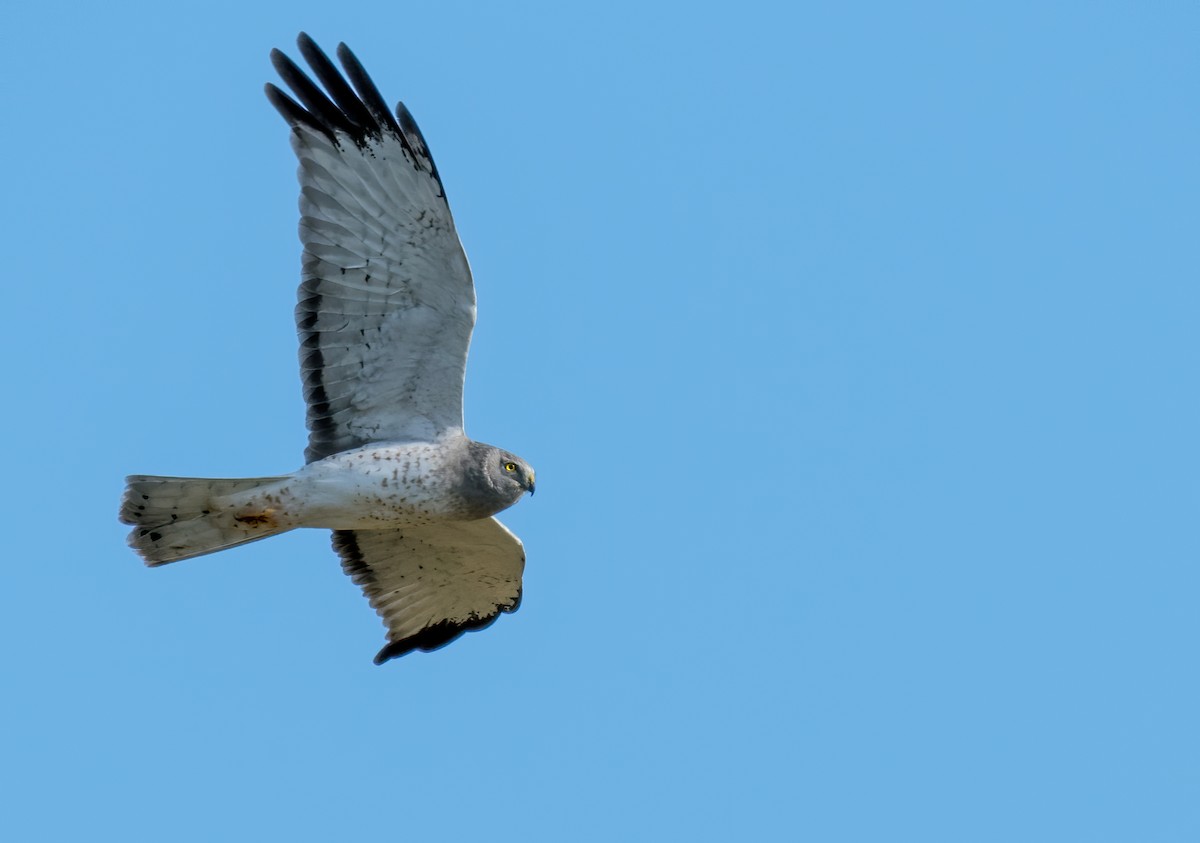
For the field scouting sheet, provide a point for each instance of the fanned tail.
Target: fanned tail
(177, 518)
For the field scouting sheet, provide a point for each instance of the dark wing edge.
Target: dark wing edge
(358, 113)
(379, 576)
(345, 121)
(437, 636)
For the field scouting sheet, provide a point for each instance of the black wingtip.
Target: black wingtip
(435, 637)
(350, 106)
(367, 92)
(292, 112)
(340, 92)
(412, 134)
(321, 108)
(337, 112)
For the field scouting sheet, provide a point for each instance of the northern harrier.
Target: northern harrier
(384, 320)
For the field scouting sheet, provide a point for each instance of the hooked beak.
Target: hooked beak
(532, 485)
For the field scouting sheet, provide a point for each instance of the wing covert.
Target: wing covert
(431, 584)
(386, 302)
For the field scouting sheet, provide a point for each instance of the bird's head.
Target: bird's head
(512, 473)
(493, 479)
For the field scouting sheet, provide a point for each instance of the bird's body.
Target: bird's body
(410, 484)
(385, 313)
(378, 486)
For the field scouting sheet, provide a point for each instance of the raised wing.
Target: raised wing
(431, 584)
(386, 302)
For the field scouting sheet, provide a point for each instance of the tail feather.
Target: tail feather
(177, 518)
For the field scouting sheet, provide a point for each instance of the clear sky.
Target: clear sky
(856, 350)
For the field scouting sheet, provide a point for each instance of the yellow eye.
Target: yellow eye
(510, 466)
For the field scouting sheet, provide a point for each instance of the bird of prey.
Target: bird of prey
(385, 313)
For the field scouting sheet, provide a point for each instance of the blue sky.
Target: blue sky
(855, 347)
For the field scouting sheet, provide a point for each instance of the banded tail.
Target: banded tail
(177, 518)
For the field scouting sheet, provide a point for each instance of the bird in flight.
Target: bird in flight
(385, 313)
